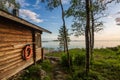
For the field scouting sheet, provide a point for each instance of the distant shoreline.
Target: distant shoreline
(78, 40)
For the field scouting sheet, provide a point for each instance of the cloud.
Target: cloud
(110, 17)
(114, 15)
(29, 15)
(22, 3)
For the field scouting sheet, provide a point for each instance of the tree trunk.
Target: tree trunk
(65, 36)
(64, 46)
(92, 47)
(87, 37)
(92, 30)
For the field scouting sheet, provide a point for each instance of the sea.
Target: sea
(81, 44)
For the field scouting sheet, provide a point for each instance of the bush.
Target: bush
(47, 78)
(46, 65)
(64, 60)
(80, 75)
(79, 59)
(34, 68)
(32, 73)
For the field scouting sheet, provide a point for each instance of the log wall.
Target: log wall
(13, 38)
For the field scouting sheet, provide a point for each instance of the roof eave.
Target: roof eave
(22, 21)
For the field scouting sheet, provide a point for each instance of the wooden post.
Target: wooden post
(34, 49)
(42, 54)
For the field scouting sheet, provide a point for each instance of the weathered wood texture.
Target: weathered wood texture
(13, 38)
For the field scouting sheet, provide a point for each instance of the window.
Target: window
(38, 40)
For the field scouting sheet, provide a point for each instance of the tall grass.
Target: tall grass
(106, 64)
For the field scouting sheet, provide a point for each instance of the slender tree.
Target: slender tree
(65, 36)
(95, 10)
(86, 21)
(62, 39)
(87, 35)
(51, 4)
(78, 11)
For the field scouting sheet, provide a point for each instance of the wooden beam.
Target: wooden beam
(34, 48)
(42, 54)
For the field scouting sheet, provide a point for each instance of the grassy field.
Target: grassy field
(105, 65)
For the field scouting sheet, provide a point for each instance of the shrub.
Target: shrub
(79, 59)
(32, 73)
(47, 78)
(34, 68)
(64, 60)
(46, 65)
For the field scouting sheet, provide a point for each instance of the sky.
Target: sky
(36, 12)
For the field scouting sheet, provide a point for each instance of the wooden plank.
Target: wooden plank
(13, 47)
(12, 31)
(3, 47)
(15, 35)
(14, 64)
(38, 54)
(13, 27)
(10, 60)
(6, 48)
(9, 52)
(3, 39)
(16, 43)
(18, 68)
(2, 53)
(10, 67)
(6, 57)
(9, 64)
(38, 48)
(38, 58)
(4, 43)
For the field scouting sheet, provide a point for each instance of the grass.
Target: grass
(106, 65)
(33, 72)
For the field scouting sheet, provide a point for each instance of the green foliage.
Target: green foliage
(46, 65)
(47, 78)
(10, 3)
(79, 59)
(80, 75)
(34, 68)
(61, 38)
(32, 73)
(78, 11)
(106, 66)
(57, 54)
(51, 4)
(64, 61)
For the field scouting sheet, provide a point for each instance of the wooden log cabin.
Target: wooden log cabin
(15, 34)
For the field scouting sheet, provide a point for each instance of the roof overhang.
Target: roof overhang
(22, 21)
